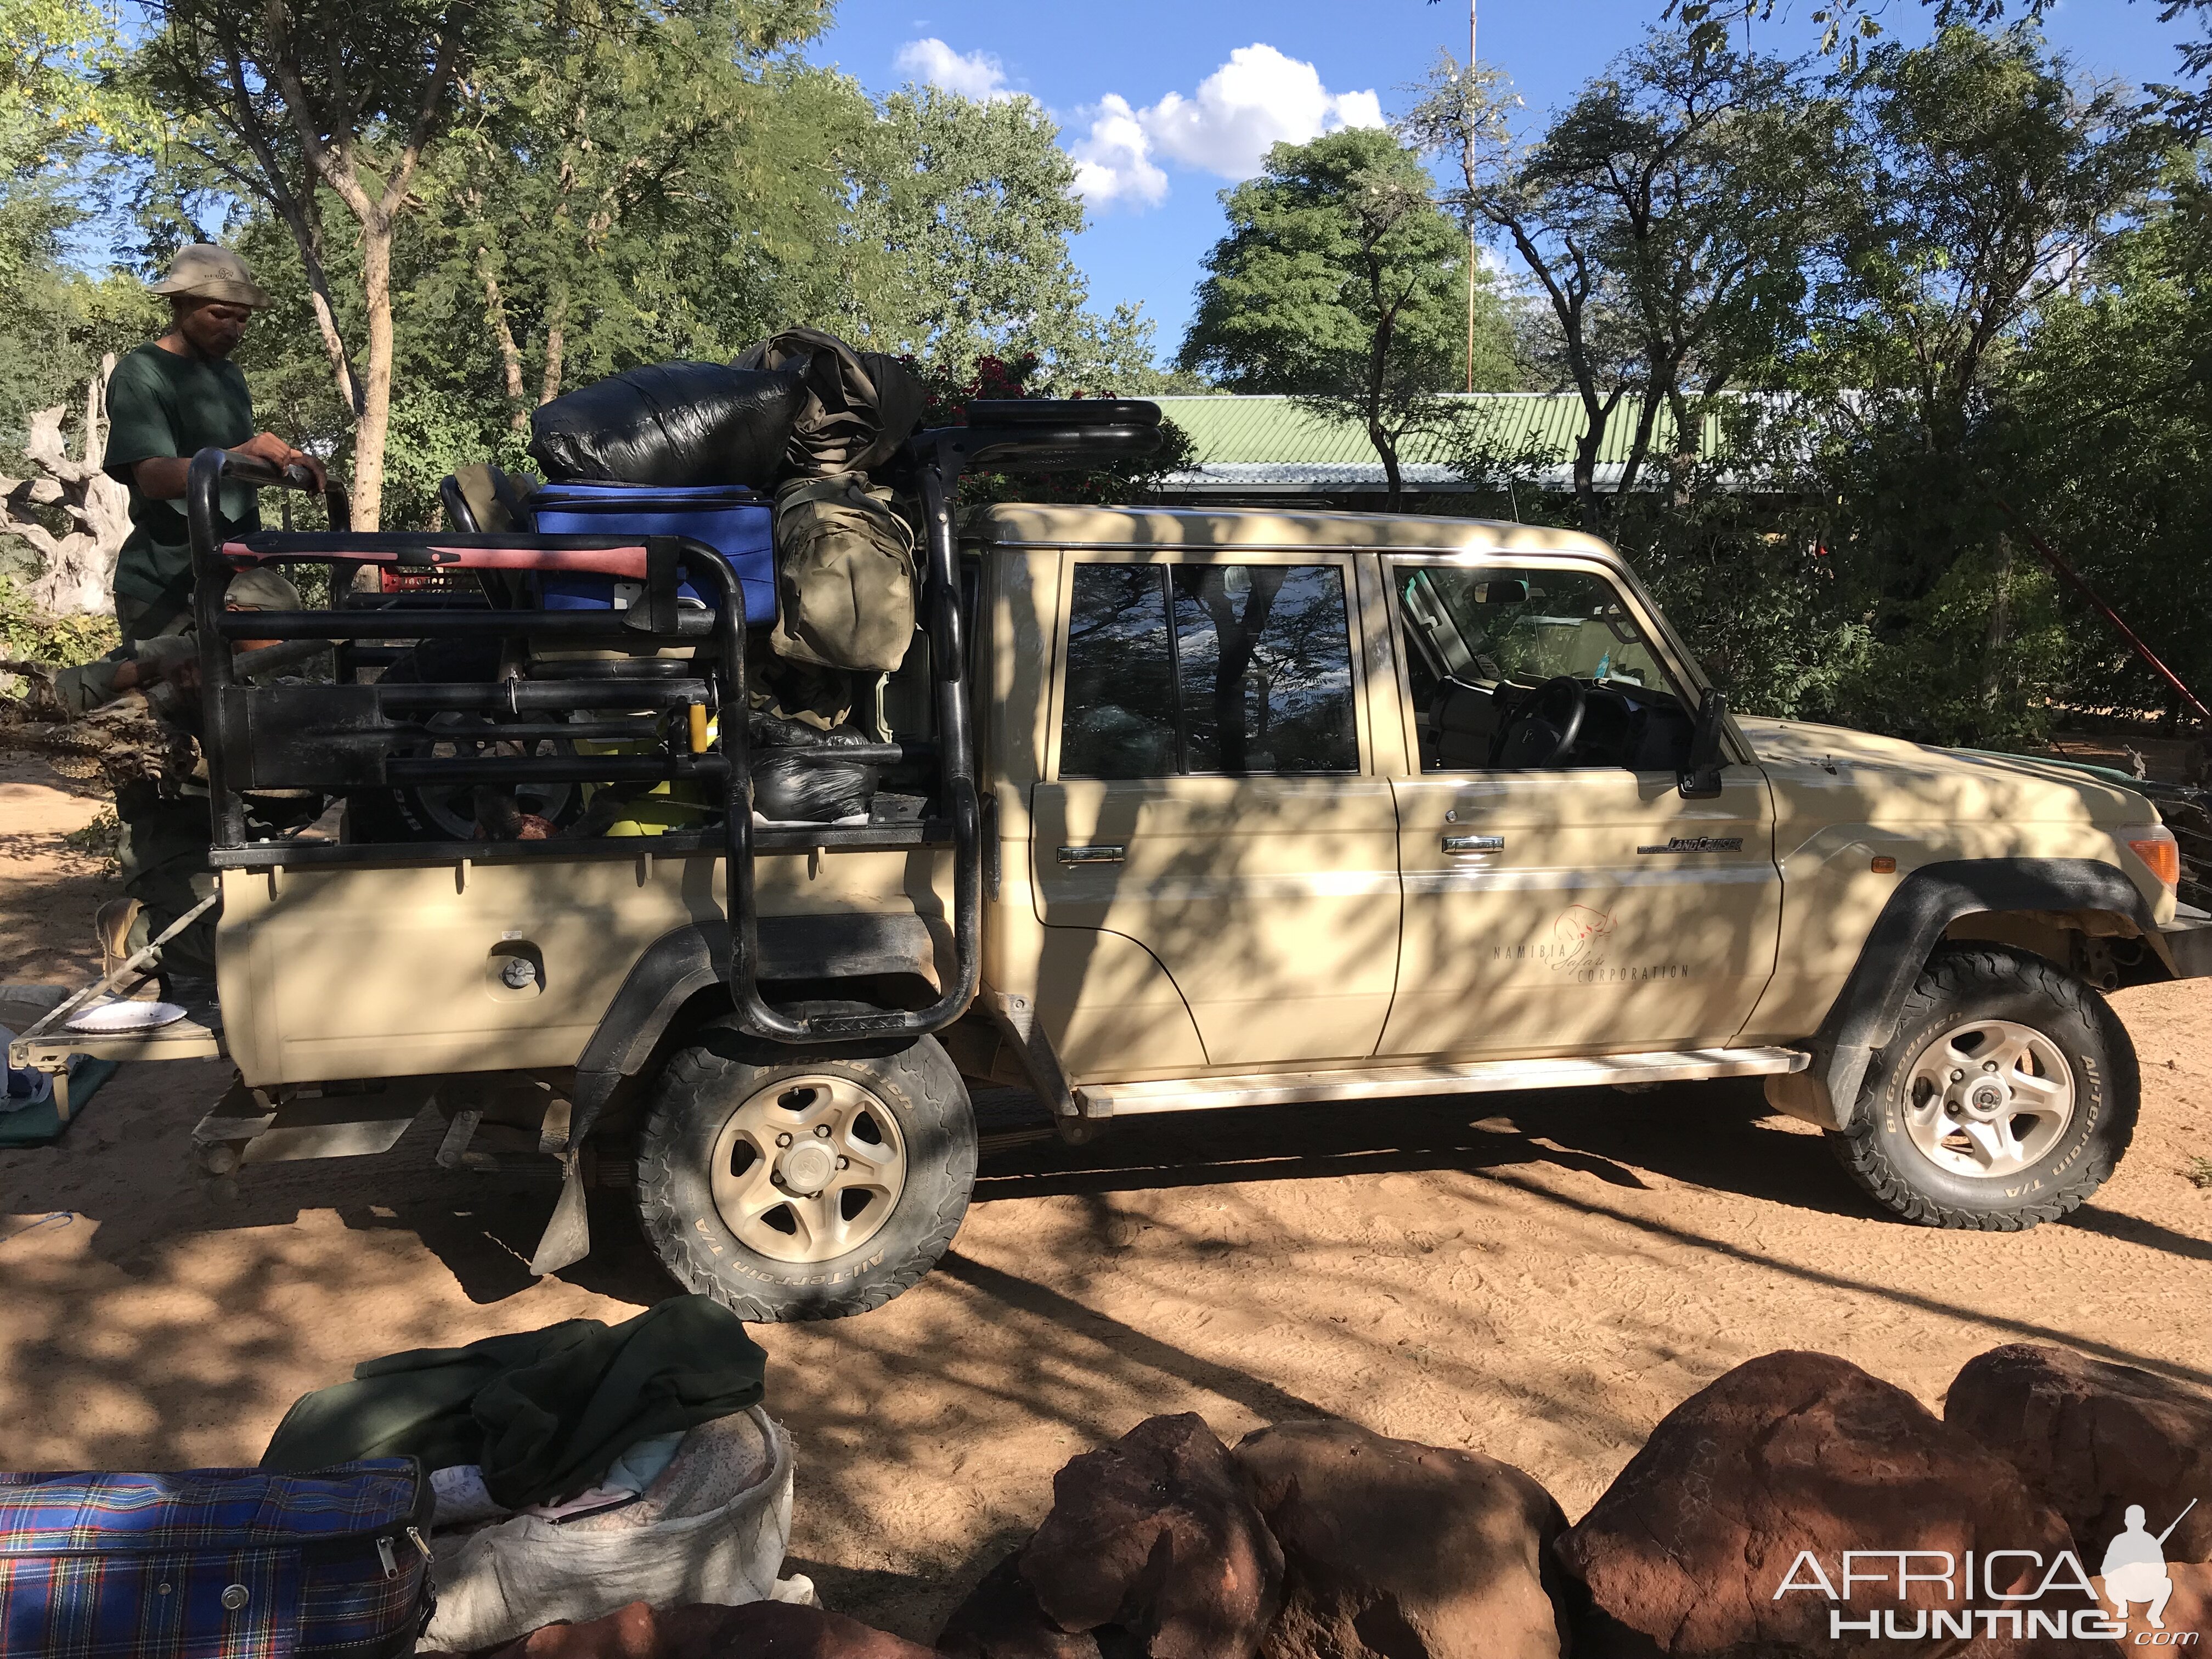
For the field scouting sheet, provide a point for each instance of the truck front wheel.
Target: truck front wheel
(806, 1187)
(2005, 1099)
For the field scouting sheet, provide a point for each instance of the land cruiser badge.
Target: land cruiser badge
(1698, 844)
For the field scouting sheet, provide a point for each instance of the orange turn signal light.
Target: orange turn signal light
(2163, 856)
(1884, 865)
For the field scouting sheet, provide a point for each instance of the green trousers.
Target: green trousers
(164, 854)
(164, 844)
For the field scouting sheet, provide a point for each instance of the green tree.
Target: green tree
(294, 97)
(576, 196)
(1341, 283)
(959, 243)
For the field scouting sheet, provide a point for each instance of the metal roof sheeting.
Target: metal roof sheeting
(1248, 443)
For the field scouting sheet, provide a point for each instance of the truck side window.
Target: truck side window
(1119, 719)
(1519, 669)
(1265, 659)
(1253, 676)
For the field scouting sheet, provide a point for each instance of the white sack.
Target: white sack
(713, 1528)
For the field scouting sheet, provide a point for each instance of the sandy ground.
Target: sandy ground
(1538, 1276)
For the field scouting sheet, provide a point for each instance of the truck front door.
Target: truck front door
(1209, 796)
(1561, 894)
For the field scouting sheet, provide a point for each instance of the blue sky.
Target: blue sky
(1168, 101)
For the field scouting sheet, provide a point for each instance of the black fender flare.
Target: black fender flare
(1864, 1016)
(681, 963)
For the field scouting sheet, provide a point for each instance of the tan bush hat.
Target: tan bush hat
(260, 588)
(205, 271)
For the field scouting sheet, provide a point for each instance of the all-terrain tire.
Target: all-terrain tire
(697, 1092)
(1963, 984)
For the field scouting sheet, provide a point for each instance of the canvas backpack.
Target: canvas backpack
(844, 575)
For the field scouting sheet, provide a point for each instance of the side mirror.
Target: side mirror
(1700, 776)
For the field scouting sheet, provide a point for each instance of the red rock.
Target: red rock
(1000, 1619)
(1791, 1453)
(1155, 1536)
(2091, 1437)
(1393, 1550)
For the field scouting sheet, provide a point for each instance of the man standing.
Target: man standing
(165, 403)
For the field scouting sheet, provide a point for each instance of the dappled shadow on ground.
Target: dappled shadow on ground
(1538, 1276)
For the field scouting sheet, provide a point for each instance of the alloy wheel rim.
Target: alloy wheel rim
(1989, 1099)
(808, 1169)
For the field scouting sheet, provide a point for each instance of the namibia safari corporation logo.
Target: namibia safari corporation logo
(1988, 1593)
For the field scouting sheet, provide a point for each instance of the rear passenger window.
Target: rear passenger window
(1237, 669)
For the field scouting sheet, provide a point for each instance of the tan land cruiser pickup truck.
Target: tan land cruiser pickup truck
(1220, 809)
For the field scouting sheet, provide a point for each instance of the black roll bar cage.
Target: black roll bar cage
(250, 729)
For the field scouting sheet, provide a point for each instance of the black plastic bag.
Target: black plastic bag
(859, 406)
(807, 789)
(672, 425)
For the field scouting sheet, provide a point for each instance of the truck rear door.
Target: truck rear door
(1210, 794)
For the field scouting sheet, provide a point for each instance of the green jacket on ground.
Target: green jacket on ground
(544, 1413)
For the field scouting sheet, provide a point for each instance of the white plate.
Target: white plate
(114, 1018)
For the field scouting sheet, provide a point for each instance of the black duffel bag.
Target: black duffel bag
(672, 425)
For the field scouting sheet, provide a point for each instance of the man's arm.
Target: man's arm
(161, 477)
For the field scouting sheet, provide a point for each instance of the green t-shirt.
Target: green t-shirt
(161, 405)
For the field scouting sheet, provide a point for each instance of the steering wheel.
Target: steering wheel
(1546, 725)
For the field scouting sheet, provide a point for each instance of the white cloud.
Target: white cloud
(1358, 109)
(1112, 161)
(970, 75)
(1258, 99)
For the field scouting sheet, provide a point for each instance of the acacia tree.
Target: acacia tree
(95, 510)
(1703, 174)
(1340, 283)
(286, 98)
(1556, 227)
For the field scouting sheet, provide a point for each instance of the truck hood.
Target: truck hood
(1919, 782)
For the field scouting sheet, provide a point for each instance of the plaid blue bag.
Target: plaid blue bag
(216, 1564)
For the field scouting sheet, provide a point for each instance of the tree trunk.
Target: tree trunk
(374, 428)
(510, 355)
(309, 235)
(1997, 627)
(1393, 485)
(1689, 444)
(1639, 448)
(556, 340)
(79, 574)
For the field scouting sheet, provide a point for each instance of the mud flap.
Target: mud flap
(566, 1239)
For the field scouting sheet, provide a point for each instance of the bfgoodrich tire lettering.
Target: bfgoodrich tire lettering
(2010, 990)
(704, 1086)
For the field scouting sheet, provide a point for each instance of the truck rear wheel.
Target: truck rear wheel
(807, 1186)
(2006, 1098)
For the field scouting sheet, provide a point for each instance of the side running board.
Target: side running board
(1395, 1082)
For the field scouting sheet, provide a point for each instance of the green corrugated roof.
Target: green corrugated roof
(1231, 430)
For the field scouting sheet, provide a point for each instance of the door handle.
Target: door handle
(1465, 845)
(1113, 853)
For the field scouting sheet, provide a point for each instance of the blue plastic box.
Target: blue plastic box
(738, 524)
